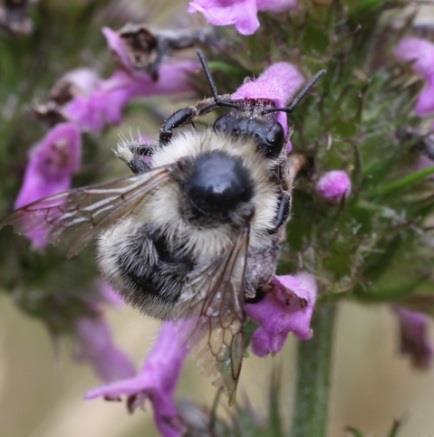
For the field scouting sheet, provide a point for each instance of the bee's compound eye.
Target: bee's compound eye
(222, 124)
(274, 140)
(218, 184)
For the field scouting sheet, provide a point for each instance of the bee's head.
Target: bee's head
(268, 134)
(217, 187)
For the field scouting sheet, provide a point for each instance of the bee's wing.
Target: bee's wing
(220, 306)
(77, 215)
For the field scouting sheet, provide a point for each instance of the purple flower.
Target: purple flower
(423, 161)
(278, 83)
(109, 295)
(288, 307)
(52, 162)
(118, 48)
(95, 346)
(92, 103)
(243, 14)
(414, 337)
(157, 379)
(104, 106)
(421, 53)
(173, 76)
(76, 82)
(94, 341)
(334, 186)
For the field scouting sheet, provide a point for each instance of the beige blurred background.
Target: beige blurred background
(41, 388)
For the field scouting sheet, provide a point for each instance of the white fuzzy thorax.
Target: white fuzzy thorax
(163, 208)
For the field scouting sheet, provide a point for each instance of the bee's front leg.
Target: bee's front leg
(136, 156)
(185, 116)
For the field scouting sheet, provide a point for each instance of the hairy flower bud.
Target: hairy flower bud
(334, 186)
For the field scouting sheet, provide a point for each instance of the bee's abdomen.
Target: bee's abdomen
(149, 273)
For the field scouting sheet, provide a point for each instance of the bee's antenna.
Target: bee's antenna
(300, 96)
(204, 63)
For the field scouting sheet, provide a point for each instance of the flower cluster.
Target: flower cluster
(103, 103)
(286, 308)
(157, 379)
(81, 101)
(84, 102)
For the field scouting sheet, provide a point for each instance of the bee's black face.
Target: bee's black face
(268, 134)
(217, 184)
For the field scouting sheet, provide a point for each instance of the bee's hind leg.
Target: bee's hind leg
(282, 213)
(136, 156)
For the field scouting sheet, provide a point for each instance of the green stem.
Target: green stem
(314, 365)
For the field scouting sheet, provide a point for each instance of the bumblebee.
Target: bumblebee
(197, 230)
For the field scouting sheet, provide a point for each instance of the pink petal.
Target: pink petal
(425, 102)
(414, 337)
(118, 48)
(95, 345)
(109, 295)
(105, 105)
(288, 307)
(276, 5)
(420, 52)
(241, 13)
(158, 378)
(52, 162)
(278, 83)
(82, 80)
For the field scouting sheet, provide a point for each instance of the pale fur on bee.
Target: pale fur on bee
(161, 218)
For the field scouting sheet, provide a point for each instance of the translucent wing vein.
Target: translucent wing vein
(76, 216)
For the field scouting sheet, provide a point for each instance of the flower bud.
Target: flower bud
(334, 186)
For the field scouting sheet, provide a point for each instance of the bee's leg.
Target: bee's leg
(260, 294)
(187, 115)
(136, 156)
(179, 118)
(283, 211)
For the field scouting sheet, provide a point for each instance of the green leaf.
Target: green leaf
(402, 184)
(390, 294)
